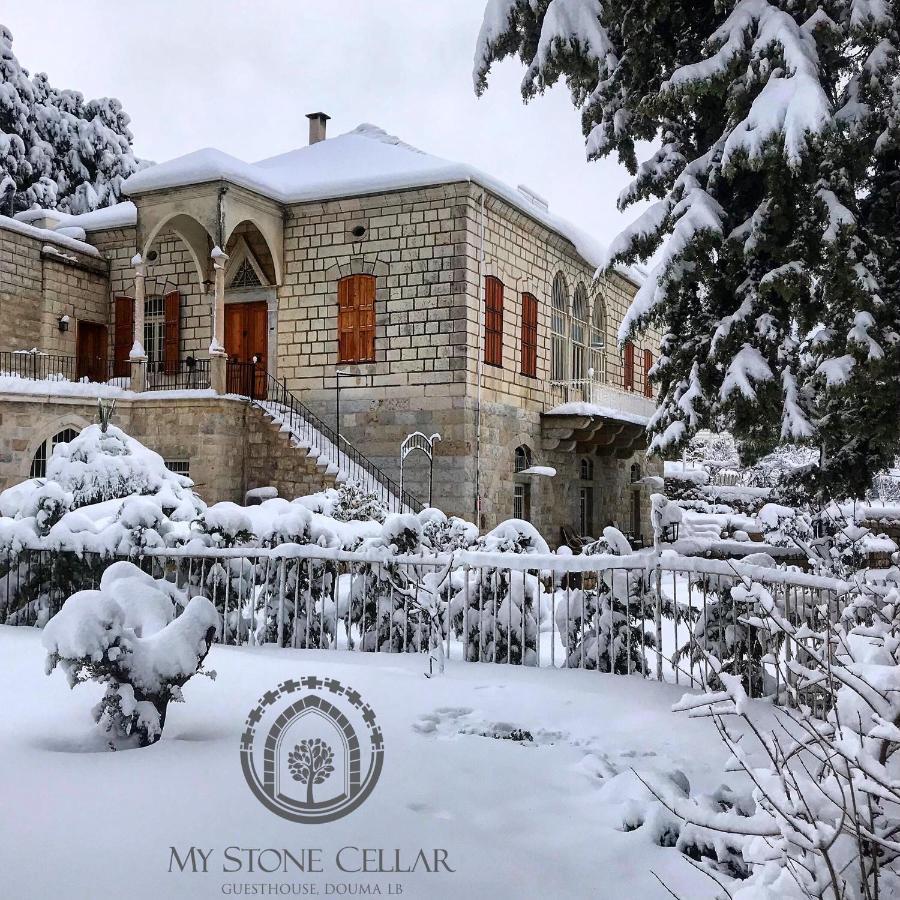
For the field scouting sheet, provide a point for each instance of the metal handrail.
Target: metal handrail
(312, 429)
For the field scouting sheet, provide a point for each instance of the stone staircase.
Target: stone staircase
(276, 458)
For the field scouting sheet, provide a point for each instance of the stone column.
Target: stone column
(138, 356)
(217, 344)
(218, 358)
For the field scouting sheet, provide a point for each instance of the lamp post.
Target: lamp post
(338, 375)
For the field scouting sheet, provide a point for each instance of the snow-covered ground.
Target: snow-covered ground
(538, 819)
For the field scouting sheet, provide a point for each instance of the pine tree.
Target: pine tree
(58, 150)
(604, 620)
(776, 125)
(496, 608)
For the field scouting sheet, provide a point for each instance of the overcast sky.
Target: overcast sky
(240, 76)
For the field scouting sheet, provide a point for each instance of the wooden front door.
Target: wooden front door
(90, 351)
(246, 342)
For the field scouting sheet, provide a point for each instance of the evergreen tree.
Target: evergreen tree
(604, 620)
(776, 126)
(58, 150)
(384, 601)
(495, 608)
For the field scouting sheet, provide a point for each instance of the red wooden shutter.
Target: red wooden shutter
(365, 317)
(172, 339)
(346, 320)
(124, 335)
(356, 318)
(529, 335)
(629, 367)
(648, 364)
(493, 321)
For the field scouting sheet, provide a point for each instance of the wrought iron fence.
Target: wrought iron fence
(184, 375)
(627, 615)
(33, 365)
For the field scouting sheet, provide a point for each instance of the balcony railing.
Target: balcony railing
(34, 365)
(189, 374)
(601, 393)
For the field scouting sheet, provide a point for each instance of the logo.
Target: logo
(312, 750)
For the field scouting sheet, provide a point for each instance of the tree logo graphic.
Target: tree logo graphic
(312, 750)
(310, 763)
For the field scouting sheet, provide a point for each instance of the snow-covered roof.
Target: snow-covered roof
(363, 161)
(45, 234)
(119, 215)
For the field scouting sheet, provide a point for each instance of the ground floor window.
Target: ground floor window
(154, 330)
(179, 466)
(586, 512)
(522, 502)
(39, 463)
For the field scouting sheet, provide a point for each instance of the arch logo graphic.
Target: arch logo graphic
(312, 750)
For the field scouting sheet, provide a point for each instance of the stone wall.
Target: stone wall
(39, 283)
(231, 446)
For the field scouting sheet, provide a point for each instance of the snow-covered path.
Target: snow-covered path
(517, 820)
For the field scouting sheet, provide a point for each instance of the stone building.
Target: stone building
(424, 294)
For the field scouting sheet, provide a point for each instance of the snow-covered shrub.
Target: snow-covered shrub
(105, 495)
(603, 622)
(444, 534)
(727, 627)
(821, 809)
(383, 601)
(496, 612)
(296, 600)
(225, 524)
(127, 636)
(99, 465)
(355, 503)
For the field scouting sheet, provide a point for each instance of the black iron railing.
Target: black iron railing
(250, 380)
(33, 365)
(190, 374)
(37, 366)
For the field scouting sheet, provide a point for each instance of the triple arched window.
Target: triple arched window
(559, 329)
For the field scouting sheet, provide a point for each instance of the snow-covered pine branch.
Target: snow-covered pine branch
(774, 129)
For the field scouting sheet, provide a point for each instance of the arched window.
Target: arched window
(598, 339)
(587, 469)
(580, 326)
(635, 472)
(356, 319)
(559, 332)
(43, 453)
(523, 458)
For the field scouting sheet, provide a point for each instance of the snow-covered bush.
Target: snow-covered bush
(727, 627)
(821, 808)
(105, 495)
(603, 622)
(127, 636)
(496, 612)
(383, 600)
(296, 605)
(355, 503)
(444, 534)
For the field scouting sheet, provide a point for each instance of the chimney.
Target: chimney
(317, 124)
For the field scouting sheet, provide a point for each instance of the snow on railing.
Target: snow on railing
(668, 612)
